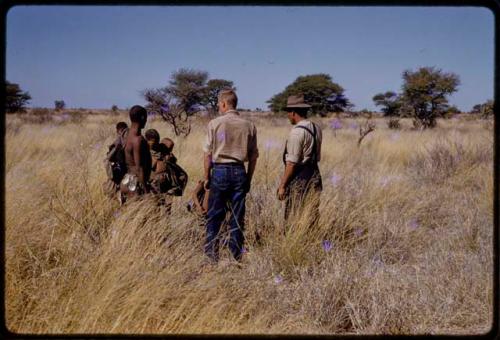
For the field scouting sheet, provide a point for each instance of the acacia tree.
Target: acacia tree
(390, 102)
(319, 91)
(187, 87)
(187, 93)
(211, 96)
(425, 91)
(15, 99)
(163, 104)
(179, 100)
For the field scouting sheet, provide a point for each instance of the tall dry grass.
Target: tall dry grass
(404, 243)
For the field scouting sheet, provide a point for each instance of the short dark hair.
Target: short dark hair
(136, 112)
(301, 111)
(121, 126)
(152, 134)
(229, 96)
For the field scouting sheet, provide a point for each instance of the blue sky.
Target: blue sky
(95, 57)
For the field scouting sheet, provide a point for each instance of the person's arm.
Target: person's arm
(285, 179)
(253, 154)
(293, 157)
(194, 196)
(207, 157)
(207, 165)
(204, 205)
(251, 170)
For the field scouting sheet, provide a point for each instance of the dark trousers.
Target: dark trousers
(303, 194)
(227, 193)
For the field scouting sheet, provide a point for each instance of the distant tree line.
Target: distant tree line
(424, 97)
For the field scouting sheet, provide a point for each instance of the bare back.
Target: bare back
(137, 155)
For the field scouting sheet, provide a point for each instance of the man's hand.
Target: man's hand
(206, 184)
(281, 193)
(246, 186)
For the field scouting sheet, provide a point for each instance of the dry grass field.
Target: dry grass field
(404, 243)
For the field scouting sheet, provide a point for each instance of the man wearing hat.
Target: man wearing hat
(301, 184)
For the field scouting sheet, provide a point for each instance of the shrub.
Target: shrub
(59, 105)
(394, 124)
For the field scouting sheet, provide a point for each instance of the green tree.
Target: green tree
(425, 91)
(187, 87)
(160, 102)
(485, 109)
(390, 102)
(179, 100)
(59, 105)
(451, 111)
(15, 99)
(211, 95)
(476, 109)
(319, 91)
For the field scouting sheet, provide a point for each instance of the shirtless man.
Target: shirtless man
(137, 157)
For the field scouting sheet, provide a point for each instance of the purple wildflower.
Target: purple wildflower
(271, 144)
(377, 261)
(327, 245)
(278, 279)
(385, 180)
(47, 129)
(335, 179)
(394, 136)
(336, 124)
(358, 232)
(413, 224)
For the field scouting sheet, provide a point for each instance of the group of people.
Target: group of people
(139, 165)
(230, 142)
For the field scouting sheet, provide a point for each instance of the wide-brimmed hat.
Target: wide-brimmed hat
(296, 102)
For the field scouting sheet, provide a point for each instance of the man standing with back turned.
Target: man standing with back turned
(230, 141)
(301, 182)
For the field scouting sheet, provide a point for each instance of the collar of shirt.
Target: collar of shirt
(234, 112)
(303, 122)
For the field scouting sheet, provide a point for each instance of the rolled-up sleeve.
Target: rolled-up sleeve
(253, 151)
(294, 146)
(209, 138)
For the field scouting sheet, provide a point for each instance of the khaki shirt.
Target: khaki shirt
(300, 143)
(231, 139)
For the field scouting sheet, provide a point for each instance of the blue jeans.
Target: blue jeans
(227, 193)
